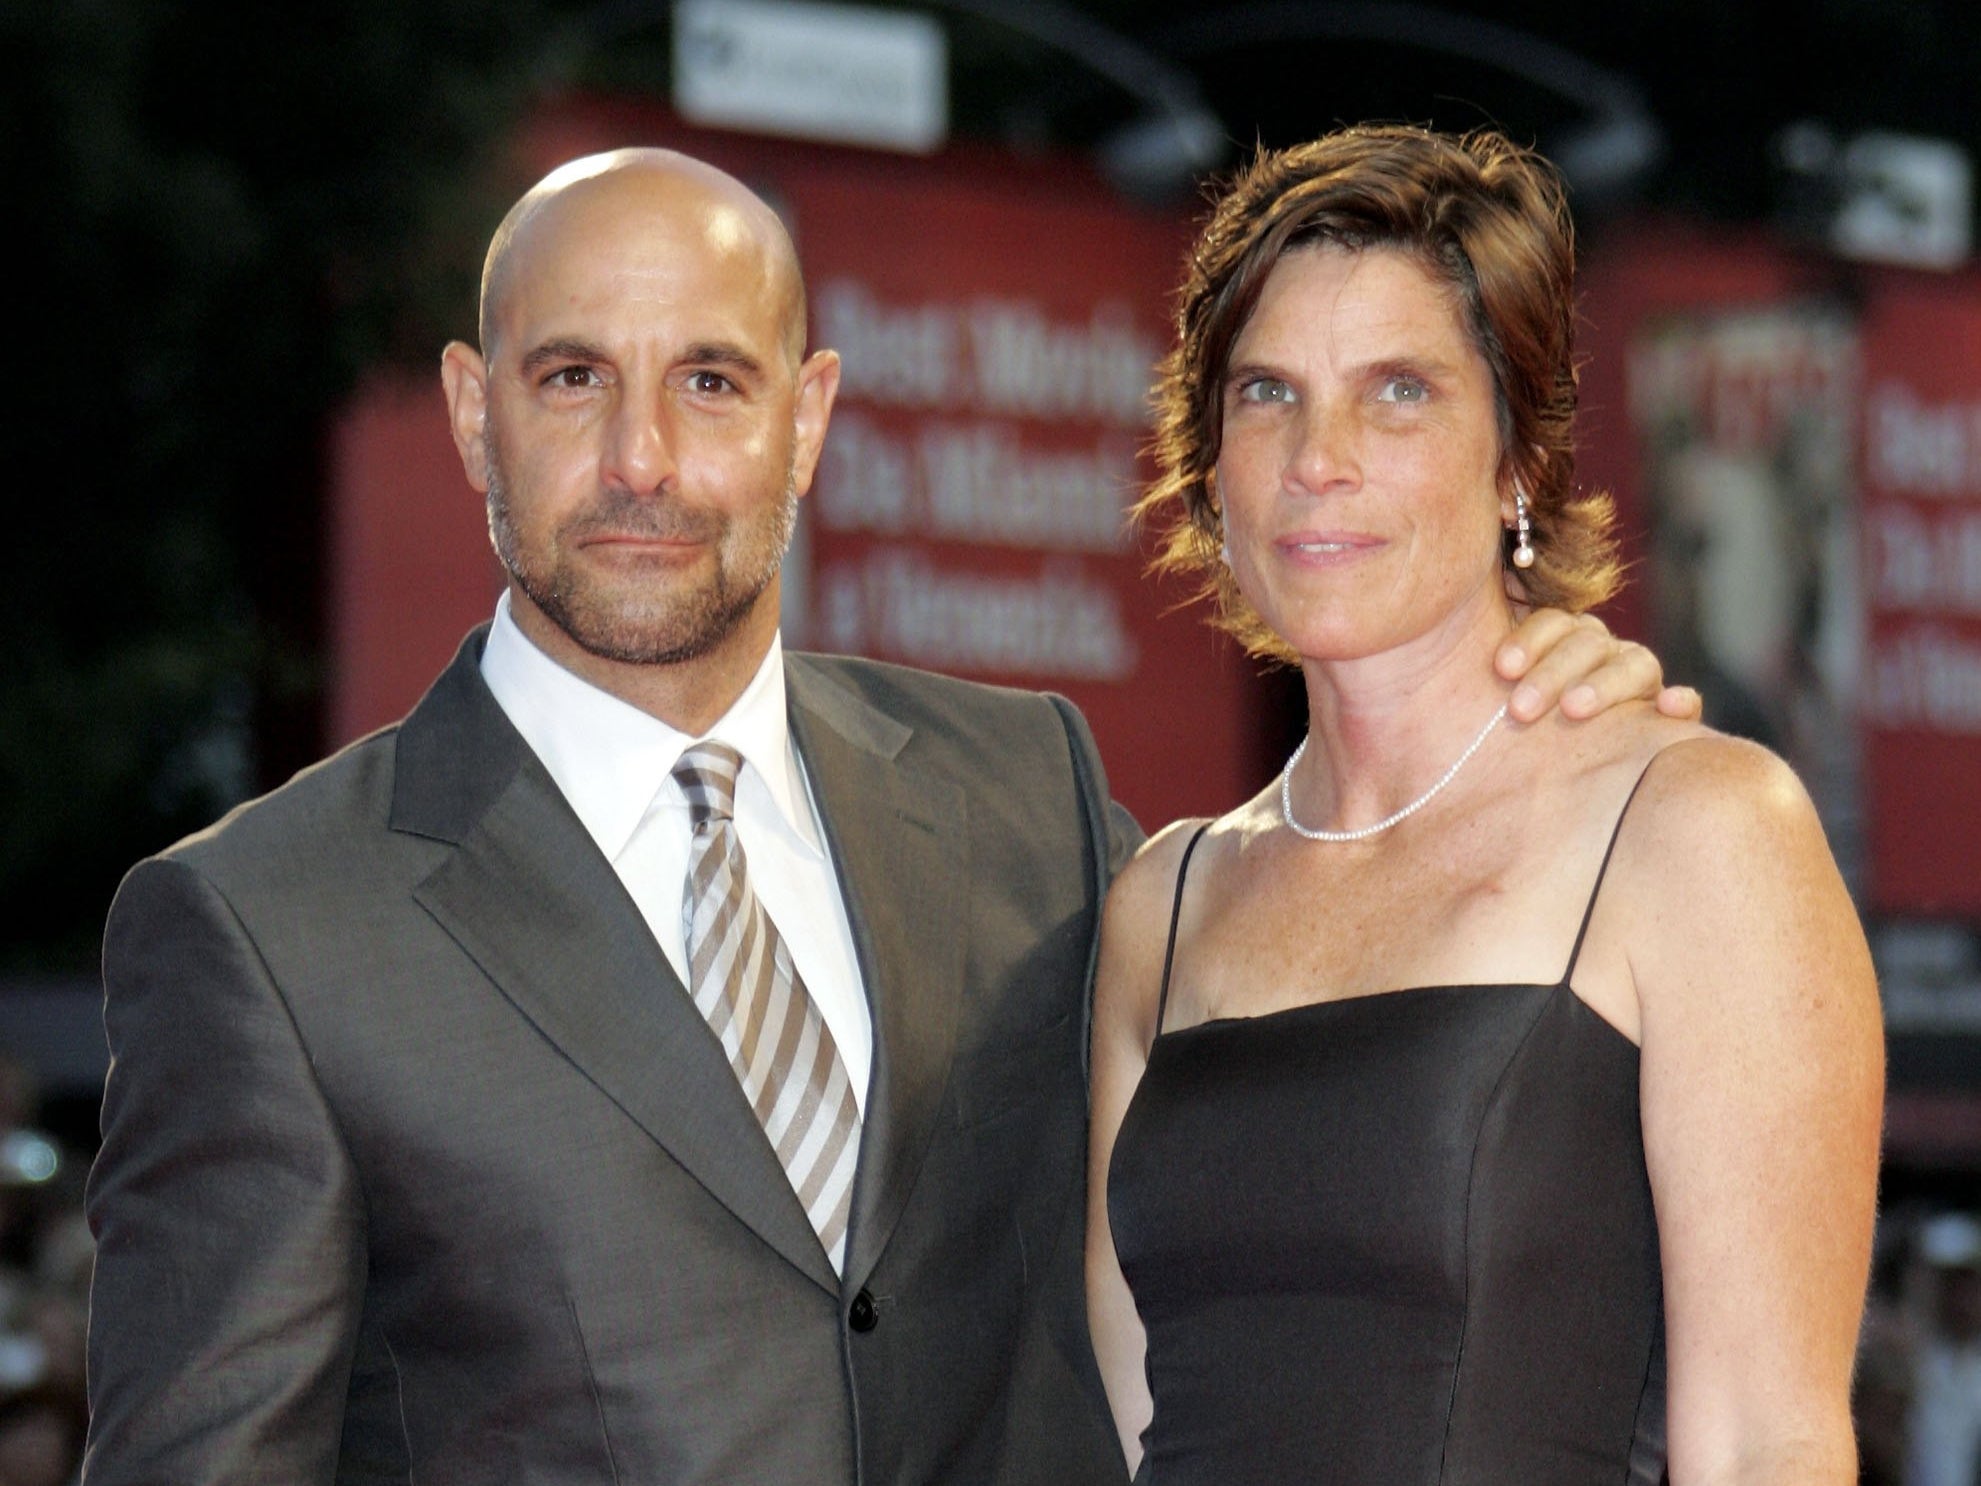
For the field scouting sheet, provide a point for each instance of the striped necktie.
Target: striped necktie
(743, 982)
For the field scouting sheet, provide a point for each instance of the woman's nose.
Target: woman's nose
(1326, 450)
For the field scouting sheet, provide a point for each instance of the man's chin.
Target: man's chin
(649, 650)
(650, 639)
(628, 624)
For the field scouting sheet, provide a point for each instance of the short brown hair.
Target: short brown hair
(1483, 216)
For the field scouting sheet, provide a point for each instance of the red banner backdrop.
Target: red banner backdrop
(411, 570)
(1703, 350)
(1630, 281)
(998, 320)
(998, 323)
(1922, 548)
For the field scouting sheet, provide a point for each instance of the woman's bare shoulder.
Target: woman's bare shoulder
(1146, 887)
(1725, 857)
(1692, 813)
(1702, 787)
(1621, 742)
(1135, 932)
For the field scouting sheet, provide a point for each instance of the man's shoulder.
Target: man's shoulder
(437, 764)
(913, 697)
(348, 792)
(1005, 742)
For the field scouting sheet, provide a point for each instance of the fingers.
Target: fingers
(1682, 702)
(1576, 664)
(1532, 638)
(1548, 652)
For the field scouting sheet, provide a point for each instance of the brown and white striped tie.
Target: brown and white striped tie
(742, 980)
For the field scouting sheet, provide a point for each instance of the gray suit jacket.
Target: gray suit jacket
(419, 1165)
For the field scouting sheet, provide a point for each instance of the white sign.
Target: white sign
(846, 73)
(1905, 200)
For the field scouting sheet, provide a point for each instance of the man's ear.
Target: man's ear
(818, 386)
(464, 375)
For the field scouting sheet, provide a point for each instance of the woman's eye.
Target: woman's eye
(1265, 389)
(1403, 389)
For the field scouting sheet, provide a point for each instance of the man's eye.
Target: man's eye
(573, 376)
(1266, 390)
(708, 382)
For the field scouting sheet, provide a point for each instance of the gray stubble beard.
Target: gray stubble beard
(666, 628)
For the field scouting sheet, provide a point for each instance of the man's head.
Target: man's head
(641, 415)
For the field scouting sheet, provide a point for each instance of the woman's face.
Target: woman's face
(1357, 471)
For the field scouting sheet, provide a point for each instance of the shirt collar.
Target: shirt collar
(611, 759)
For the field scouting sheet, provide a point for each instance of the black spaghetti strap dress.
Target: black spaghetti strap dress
(1395, 1240)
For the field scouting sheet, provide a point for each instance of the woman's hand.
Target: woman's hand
(1574, 662)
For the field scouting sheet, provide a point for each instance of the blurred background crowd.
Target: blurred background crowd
(244, 234)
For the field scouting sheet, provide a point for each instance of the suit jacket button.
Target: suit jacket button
(861, 1315)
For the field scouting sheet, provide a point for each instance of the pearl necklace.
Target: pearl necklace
(1286, 791)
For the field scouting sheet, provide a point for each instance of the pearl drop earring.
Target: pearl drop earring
(1523, 547)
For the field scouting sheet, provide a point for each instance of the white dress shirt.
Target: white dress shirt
(614, 764)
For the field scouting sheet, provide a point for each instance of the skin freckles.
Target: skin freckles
(1362, 487)
(1359, 433)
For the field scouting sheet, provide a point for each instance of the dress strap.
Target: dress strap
(1175, 912)
(1590, 912)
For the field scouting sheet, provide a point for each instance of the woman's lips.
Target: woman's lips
(1328, 545)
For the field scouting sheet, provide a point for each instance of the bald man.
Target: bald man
(436, 1148)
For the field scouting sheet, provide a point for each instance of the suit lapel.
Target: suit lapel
(532, 901)
(899, 837)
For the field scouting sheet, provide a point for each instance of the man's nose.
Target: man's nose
(639, 452)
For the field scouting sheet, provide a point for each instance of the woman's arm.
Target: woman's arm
(1762, 1084)
(1126, 985)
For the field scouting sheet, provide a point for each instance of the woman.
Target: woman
(1594, 1194)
